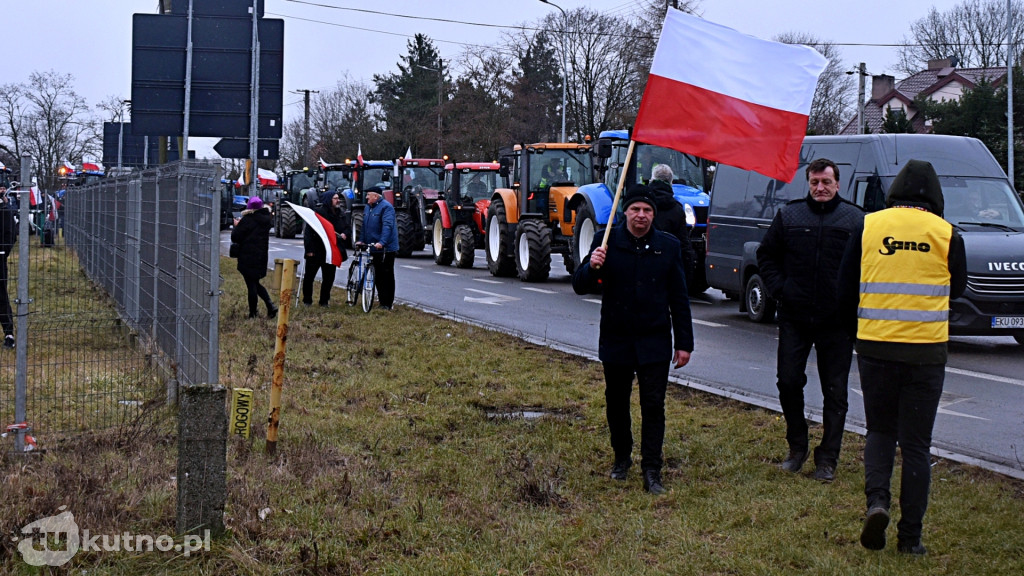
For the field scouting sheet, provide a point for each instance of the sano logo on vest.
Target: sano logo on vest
(891, 246)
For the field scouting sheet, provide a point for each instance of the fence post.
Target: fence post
(287, 289)
(22, 300)
(202, 458)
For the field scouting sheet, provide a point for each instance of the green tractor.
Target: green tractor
(299, 188)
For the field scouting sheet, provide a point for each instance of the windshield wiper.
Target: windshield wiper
(987, 225)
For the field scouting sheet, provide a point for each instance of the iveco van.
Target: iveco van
(979, 201)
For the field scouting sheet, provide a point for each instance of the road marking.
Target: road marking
(594, 300)
(489, 298)
(541, 290)
(488, 281)
(984, 376)
(445, 273)
(941, 409)
(706, 323)
(412, 267)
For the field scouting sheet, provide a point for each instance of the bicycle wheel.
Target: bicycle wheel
(352, 288)
(369, 288)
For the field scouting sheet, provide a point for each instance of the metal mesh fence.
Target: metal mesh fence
(122, 307)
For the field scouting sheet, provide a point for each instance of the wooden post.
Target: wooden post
(287, 289)
(618, 194)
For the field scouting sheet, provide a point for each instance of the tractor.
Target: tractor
(460, 215)
(299, 188)
(364, 176)
(533, 216)
(416, 182)
(688, 187)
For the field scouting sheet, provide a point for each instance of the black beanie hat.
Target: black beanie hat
(640, 193)
(917, 184)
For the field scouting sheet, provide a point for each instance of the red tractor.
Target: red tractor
(461, 211)
(416, 184)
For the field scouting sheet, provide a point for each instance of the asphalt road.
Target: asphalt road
(981, 415)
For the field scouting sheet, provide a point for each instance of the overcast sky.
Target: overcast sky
(92, 39)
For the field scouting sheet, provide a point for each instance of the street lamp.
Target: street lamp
(440, 87)
(565, 67)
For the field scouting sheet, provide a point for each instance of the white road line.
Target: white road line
(412, 267)
(445, 273)
(486, 293)
(594, 300)
(488, 281)
(541, 290)
(941, 410)
(706, 323)
(984, 376)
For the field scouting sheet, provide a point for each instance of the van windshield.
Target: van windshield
(982, 201)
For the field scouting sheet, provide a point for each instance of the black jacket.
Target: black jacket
(799, 257)
(645, 312)
(8, 228)
(253, 235)
(311, 241)
(670, 217)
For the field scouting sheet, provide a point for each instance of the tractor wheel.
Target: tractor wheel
(465, 246)
(498, 242)
(583, 232)
(357, 226)
(289, 222)
(760, 306)
(533, 251)
(408, 234)
(443, 252)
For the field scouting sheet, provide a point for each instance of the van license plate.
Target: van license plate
(1008, 321)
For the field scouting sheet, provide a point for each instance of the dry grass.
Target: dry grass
(391, 461)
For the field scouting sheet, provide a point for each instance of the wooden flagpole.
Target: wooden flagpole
(618, 194)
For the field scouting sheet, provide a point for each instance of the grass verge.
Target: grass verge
(397, 456)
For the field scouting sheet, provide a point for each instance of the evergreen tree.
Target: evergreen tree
(408, 101)
(896, 122)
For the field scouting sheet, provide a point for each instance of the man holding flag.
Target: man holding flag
(320, 241)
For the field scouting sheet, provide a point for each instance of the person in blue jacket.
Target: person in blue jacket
(645, 323)
(380, 232)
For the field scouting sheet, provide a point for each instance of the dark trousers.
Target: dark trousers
(327, 273)
(900, 403)
(652, 380)
(255, 289)
(6, 315)
(834, 349)
(384, 269)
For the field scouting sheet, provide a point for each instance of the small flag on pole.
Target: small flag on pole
(728, 97)
(359, 155)
(324, 229)
(408, 153)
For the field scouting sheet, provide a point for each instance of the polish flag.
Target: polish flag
(359, 155)
(408, 153)
(267, 177)
(728, 97)
(324, 229)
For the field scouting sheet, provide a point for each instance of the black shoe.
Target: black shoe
(323, 304)
(916, 549)
(272, 312)
(872, 536)
(382, 307)
(795, 461)
(652, 482)
(252, 314)
(8, 341)
(621, 468)
(825, 473)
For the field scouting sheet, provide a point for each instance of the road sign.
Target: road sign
(239, 148)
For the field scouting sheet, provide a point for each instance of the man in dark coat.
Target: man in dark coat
(8, 236)
(316, 252)
(252, 234)
(799, 262)
(645, 315)
(671, 217)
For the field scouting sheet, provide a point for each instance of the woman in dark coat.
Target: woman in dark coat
(252, 234)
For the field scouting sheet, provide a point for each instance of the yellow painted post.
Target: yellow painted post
(275, 277)
(287, 289)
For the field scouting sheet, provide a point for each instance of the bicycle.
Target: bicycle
(361, 286)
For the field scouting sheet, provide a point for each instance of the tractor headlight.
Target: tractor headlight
(691, 218)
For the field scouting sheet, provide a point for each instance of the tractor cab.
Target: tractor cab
(461, 210)
(416, 183)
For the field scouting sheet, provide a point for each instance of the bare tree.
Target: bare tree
(341, 119)
(974, 32)
(831, 107)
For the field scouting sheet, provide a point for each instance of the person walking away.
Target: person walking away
(645, 324)
(671, 217)
(8, 237)
(252, 234)
(898, 275)
(381, 233)
(799, 261)
(316, 252)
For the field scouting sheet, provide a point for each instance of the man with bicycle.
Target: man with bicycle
(380, 233)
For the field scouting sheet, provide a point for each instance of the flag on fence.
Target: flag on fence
(725, 96)
(324, 229)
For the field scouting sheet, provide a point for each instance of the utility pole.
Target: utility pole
(1009, 93)
(305, 130)
(862, 71)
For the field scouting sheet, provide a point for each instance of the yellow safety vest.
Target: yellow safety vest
(904, 278)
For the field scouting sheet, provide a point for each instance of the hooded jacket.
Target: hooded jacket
(916, 186)
(670, 217)
(253, 235)
(799, 257)
(311, 241)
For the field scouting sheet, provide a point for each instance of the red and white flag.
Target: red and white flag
(359, 155)
(728, 97)
(324, 229)
(267, 177)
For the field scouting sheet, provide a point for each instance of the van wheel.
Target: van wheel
(760, 307)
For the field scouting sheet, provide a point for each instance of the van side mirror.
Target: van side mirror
(603, 148)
